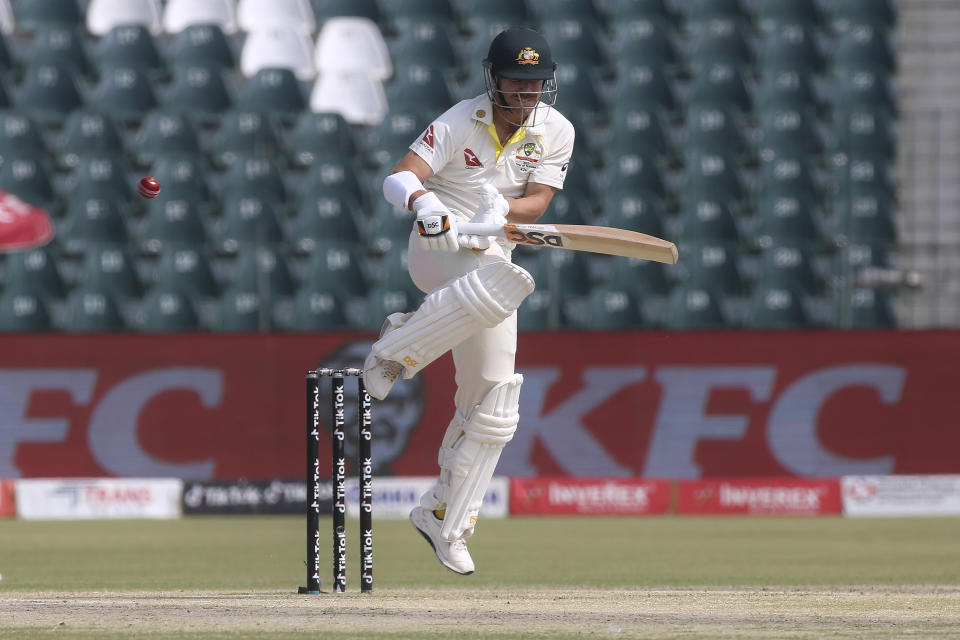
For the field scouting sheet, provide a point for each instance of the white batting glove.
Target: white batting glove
(493, 209)
(435, 224)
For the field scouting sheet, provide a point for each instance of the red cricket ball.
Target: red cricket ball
(149, 187)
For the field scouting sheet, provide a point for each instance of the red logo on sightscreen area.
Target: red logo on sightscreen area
(428, 136)
(471, 158)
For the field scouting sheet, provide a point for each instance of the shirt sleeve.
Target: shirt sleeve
(436, 144)
(552, 170)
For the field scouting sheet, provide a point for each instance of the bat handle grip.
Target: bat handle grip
(480, 229)
(488, 193)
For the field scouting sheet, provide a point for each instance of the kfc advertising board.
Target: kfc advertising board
(642, 404)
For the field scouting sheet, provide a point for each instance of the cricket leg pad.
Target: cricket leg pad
(480, 299)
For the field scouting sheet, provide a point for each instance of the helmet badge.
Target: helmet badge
(528, 55)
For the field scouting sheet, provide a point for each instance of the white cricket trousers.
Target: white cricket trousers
(486, 358)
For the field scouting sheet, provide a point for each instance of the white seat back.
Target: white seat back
(253, 15)
(104, 15)
(278, 47)
(352, 45)
(360, 99)
(180, 14)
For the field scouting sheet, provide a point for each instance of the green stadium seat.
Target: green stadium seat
(24, 312)
(865, 217)
(787, 170)
(639, 169)
(789, 267)
(713, 266)
(635, 211)
(849, 260)
(245, 133)
(87, 131)
(125, 93)
(566, 273)
(381, 302)
(693, 307)
(168, 311)
(612, 308)
(719, 83)
(319, 134)
(785, 87)
(321, 218)
(641, 83)
(419, 86)
(792, 46)
(265, 271)
(714, 176)
(390, 140)
(90, 310)
(713, 128)
(575, 39)
(173, 223)
(199, 91)
(624, 11)
(843, 14)
(638, 126)
(788, 217)
(399, 16)
(34, 15)
(183, 176)
(708, 221)
(248, 222)
(697, 11)
(862, 308)
(111, 269)
(645, 278)
(581, 96)
(866, 45)
(855, 174)
(129, 44)
(48, 92)
(164, 132)
(316, 308)
(336, 267)
(35, 271)
(187, 270)
(721, 39)
(31, 181)
(255, 175)
(275, 91)
(20, 137)
(777, 307)
(201, 44)
(483, 19)
(771, 14)
(241, 311)
(102, 175)
(644, 37)
(860, 84)
(326, 9)
(93, 221)
(7, 61)
(388, 229)
(61, 45)
(861, 129)
(786, 128)
(336, 176)
(427, 42)
(569, 207)
(540, 311)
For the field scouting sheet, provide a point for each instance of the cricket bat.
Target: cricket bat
(579, 237)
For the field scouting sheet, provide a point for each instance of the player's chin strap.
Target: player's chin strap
(469, 456)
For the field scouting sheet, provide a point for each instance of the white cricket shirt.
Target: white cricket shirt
(462, 148)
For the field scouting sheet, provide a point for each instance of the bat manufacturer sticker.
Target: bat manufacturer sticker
(535, 238)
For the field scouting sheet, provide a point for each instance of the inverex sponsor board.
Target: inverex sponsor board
(572, 496)
(759, 496)
(394, 497)
(98, 498)
(934, 495)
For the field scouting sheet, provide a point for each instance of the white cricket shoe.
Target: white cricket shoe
(379, 375)
(453, 555)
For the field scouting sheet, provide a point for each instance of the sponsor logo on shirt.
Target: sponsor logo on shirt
(428, 136)
(471, 159)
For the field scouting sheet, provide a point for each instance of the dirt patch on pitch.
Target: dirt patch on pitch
(874, 612)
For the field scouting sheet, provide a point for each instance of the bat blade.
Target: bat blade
(581, 237)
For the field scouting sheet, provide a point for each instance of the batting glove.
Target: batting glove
(436, 226)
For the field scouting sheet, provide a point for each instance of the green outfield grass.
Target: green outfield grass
(264, 556)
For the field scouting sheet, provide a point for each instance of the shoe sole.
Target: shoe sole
(434, 547)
